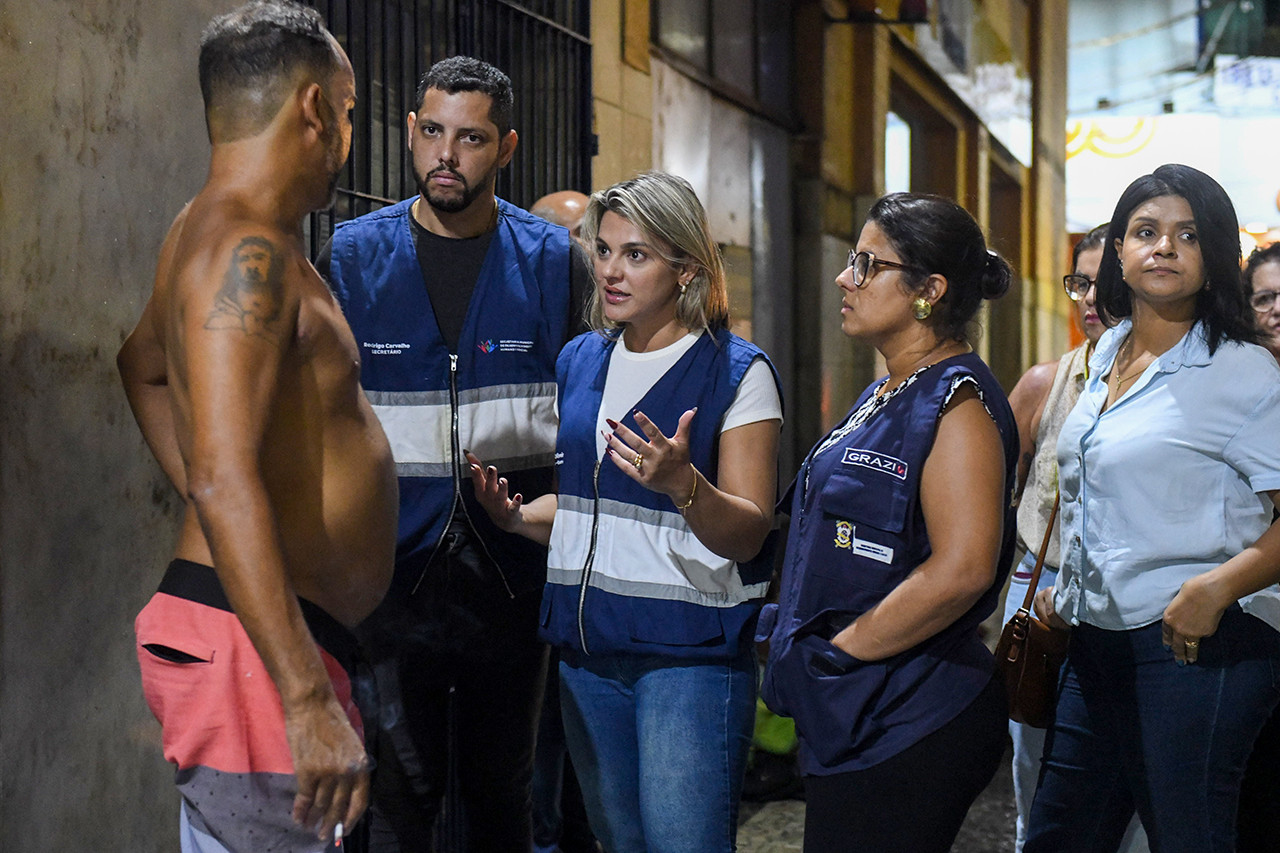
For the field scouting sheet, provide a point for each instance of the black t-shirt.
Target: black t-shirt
(455, 267)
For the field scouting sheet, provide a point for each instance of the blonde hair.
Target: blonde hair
(667, 210)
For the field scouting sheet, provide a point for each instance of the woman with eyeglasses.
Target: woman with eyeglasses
(1040, 401)
(1262, 282)
(901, 533)
(1170, 561)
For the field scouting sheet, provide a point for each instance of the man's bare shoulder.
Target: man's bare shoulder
(231, 272)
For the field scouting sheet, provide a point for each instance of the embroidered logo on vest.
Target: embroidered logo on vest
(844, 535)
(489, 346)
(884, 463)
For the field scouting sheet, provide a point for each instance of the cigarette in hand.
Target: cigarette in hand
(337, 835)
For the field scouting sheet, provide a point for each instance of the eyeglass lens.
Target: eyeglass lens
(861, 264)
(1262, 300)
(1077, 285)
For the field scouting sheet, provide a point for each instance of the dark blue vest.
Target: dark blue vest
(627, 612)
(857, 531)
(495, 398)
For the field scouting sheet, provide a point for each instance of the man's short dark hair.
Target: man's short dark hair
(257, 50)
(465, 74)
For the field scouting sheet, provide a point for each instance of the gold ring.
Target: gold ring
(1191, 644)
(638, 461)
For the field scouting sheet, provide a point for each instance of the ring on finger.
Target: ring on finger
(1191, 644)
(638, 461)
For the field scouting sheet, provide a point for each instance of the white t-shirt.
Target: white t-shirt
(632, 374)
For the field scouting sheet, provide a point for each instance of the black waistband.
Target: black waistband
(199, 583)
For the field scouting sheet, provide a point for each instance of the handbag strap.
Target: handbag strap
(1044, 548)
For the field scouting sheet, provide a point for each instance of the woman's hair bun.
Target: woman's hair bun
(997, 276)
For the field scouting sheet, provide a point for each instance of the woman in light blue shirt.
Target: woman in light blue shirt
(1169, 470)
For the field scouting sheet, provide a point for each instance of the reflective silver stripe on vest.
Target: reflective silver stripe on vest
(510, 426)
(642, 553)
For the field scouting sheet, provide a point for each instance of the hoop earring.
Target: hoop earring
(921, 308)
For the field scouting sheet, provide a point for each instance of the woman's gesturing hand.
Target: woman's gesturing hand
(491, 492)
(652, 459)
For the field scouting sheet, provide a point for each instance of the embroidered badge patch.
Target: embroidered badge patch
(844, 535)
(882, 462)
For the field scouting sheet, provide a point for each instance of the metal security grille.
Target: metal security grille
(542, 45)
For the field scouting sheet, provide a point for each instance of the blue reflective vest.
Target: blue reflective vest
(494, 397)
(625, 574)
(857, 531)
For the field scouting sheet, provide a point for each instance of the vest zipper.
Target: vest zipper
(591, 557)
(455, 451)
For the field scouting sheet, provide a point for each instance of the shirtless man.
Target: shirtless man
(244, 378)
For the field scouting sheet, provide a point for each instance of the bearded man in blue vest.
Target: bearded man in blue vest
(459, 302)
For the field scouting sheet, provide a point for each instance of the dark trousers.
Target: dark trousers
(460, 674)
(916, 801)
(1135, 731)
(1258, 830)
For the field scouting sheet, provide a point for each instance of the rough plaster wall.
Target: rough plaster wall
(102, 140)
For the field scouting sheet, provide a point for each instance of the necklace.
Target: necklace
(1116, 378)
(874, 404)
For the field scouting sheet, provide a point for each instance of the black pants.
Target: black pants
(916, 801)
(460, 675)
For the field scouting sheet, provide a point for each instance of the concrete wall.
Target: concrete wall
(622, 90)
(103, 140)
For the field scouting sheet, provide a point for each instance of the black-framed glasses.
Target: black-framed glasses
(1077, 285)
(862, 262)
(1262, 300)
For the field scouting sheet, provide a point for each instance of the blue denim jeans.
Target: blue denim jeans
(660, 748)
(1136, 731)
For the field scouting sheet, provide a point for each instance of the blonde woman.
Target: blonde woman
(666, 455)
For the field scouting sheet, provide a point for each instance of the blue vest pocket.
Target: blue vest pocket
(695, 626)
(831, 696)
(861, 500)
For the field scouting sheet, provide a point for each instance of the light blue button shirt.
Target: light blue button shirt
(1165, 484)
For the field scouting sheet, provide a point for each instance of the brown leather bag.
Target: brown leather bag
(1030, 653)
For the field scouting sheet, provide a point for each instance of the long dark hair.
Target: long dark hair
(1221, 304)
(936, 235)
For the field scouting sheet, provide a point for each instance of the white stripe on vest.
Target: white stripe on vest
(511, 417)
(642, 553)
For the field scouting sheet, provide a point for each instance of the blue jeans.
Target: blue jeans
(660, 748)
(1028, 741)
(1135, 731)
